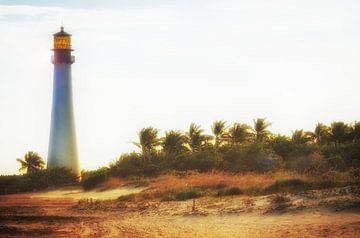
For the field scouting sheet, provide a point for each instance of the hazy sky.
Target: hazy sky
(169, 63)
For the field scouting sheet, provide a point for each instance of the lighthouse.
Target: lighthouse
(62, 145)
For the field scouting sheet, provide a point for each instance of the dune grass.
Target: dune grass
(170, 187)
(174, 186)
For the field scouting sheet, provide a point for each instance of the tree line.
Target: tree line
(231, 148)
(336, 145)
(239, 133)
(241, 147)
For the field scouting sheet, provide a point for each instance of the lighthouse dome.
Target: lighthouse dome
(62, 32)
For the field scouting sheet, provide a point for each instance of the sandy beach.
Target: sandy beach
(64, 213)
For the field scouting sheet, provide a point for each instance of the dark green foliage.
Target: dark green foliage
(240, 133)
(134, 164)
(202, 161)
(302, 137)
(335, 162)
(322, 133)
(229, 191)
(356, 131)
(148, 140)
(348, 152)
(252, 157)
(174, 143)
(196, 139)
(340, 132)
(89, 179)
(288, 185)
(54, 177)
(32, 162)
(302, 150)
(241, 148)
(261, 129)
(188, 194)
(282, 146)
(126, 198)
(37, 180)
(219, 129)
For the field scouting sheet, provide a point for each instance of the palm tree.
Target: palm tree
(321, 133)
(148, 140)
(340, 132)
(195, 137)
(32, 162)
(261, 129)
(174, 142)
(239, 133)
(218, 128)
(356, 131)
(302, 137)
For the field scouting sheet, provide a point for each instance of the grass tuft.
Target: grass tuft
(188, 194)
(229, 191)
(279, 199)
(288, 185)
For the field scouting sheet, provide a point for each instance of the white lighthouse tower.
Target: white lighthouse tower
(62, 146)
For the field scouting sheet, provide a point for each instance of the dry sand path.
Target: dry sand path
(37, 215)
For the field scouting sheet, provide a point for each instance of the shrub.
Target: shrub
(37, 180)
(348, 152)
(229, 191)
(252, 157)
(127, 164)
(10, 184)
(280, 203)
(204, 160)
(188, 194)
(351, 154)
(335, 162)
(168, 197)
(134, 164)
(288, 185)
(335, 178)
(282, 146)
(312, 163)
(90, 179)
(279, 199)
(126, 198)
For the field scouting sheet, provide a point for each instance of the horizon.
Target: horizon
(168, 65)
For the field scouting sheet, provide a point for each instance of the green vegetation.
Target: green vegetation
(32, 162)
(37, 180)
(229, 191)
(188, 194)
(288, 185)
(240, 148)
(92, 178)
(325, 153)
(36, 177)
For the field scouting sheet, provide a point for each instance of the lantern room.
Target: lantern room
(62, 48)
(62, 40)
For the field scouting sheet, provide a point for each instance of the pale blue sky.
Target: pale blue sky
(169, 63)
